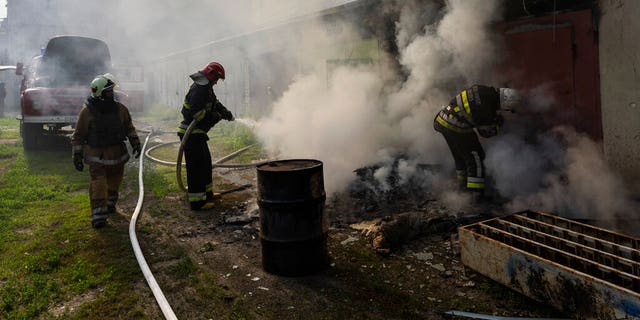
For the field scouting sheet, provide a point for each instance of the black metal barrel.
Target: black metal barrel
(293, 224)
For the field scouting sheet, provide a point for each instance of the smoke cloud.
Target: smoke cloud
(342, 124)
(352, 118)
(327, 103)
(563, 172)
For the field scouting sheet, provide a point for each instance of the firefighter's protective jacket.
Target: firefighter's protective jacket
(476, 107)
(101, 129)
(202, 97)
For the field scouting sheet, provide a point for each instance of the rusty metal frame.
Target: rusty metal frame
(585, 271)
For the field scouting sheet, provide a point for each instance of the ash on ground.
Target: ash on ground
(385, 190)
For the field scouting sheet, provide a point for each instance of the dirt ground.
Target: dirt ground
(420, 277)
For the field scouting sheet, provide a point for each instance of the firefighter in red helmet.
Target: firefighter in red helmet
(477, 109)
(200, 104)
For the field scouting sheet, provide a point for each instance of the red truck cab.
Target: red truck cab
(56, 84)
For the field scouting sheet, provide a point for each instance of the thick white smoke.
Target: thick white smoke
(558, 170)
(564, 172)
(342, 124)
(350, 119)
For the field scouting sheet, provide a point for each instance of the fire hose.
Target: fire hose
(217, 163)
(144, 267)
(142, 262)
(183, 142)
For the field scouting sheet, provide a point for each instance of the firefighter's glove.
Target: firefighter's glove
(227, 115)
(78, 161)
(137, 149)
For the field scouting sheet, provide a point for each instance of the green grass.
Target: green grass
(232, 136)
(48, 251)
(9, 129)
(7, 122)
(160, 179)
(51, 256)
(225, 137)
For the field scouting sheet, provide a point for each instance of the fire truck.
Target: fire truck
(56, 83)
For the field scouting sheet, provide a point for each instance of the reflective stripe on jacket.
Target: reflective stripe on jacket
(109, 155)
(474, 107)
(199, 98)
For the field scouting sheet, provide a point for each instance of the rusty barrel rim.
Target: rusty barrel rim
(289, 165)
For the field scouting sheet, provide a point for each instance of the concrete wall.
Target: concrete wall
(268, 11)
(620, 87)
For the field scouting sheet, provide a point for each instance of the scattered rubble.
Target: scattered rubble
(388, 233)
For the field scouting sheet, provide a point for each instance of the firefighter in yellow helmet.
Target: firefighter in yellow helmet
(477, 109)
(102, 127)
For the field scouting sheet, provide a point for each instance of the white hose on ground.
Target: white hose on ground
(151, 280)
(231, 155)
(216, 164)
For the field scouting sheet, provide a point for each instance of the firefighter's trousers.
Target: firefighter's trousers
(468, 155)
(103, 190)
(198, 161)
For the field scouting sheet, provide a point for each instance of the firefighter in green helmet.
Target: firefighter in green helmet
(102, 127)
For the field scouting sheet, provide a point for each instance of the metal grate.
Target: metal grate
(586, 271)
(605, 255)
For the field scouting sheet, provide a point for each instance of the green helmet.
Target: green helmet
(101, 84)
(110, 77)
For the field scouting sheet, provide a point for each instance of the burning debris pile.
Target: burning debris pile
(379, 184)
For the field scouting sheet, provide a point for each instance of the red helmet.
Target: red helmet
(213, 71)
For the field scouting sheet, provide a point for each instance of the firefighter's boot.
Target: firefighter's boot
(111, 205)
(98, 220)
(207, 206)
(202, 205)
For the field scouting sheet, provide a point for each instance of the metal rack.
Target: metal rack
(574, 266)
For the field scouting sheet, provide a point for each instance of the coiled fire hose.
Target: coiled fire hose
(217, 163)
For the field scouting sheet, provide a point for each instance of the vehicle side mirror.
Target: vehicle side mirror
(19, 68)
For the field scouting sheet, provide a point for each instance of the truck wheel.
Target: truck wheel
(31, 133)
